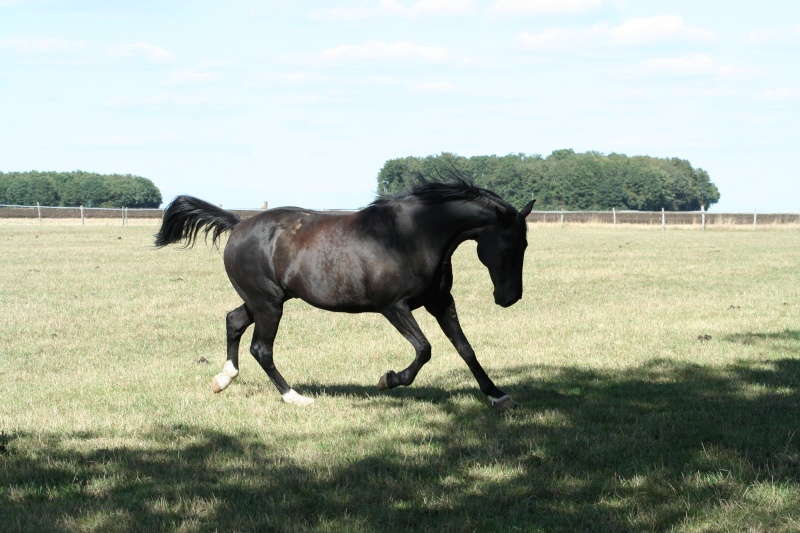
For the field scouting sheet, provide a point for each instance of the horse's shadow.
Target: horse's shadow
(358, 390)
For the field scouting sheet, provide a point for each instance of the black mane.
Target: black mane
(452, 187)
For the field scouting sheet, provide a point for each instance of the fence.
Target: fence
(83, 213)
(663, 218)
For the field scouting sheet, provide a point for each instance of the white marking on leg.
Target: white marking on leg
(294, 397)
(503, 402)
(221, 381)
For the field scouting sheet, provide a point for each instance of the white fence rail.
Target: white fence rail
(662, 218)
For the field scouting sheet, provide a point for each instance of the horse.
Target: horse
(391, 257)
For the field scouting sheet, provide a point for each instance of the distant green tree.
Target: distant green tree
(569, 180)
(78, 188)
(4, 182)
(30, 190)
(132, 191)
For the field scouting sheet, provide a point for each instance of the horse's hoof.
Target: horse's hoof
(215, 385)
(221, 381)
(383, 383)
(503, 403)
(297, 399)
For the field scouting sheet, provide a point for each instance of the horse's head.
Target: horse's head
(501, 248)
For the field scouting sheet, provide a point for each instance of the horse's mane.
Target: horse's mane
(448, 186)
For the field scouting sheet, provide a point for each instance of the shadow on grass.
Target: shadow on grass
(786, 341)
(657, 447)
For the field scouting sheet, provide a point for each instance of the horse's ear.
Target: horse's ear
(525, 211)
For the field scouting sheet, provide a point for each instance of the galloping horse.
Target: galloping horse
(391, 257)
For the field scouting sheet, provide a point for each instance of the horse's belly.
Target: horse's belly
(331, 288)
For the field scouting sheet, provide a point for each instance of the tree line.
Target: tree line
(566, 180)
(72, 189)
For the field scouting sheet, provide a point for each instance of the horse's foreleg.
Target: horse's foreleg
(445, 313)
(263, 339)
(236, 323)
(401, 318)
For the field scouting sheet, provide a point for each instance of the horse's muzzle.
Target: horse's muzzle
(506, 300)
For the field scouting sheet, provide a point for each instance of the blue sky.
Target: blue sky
(301, 103)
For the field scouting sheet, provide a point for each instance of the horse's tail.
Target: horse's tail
(186, 216)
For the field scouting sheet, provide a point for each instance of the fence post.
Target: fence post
(703, 215)
(82, 219)
(39, 210)
(755, 216)
(562, 219)
(663, 220)
(614, 213)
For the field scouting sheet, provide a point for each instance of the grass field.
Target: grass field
(657, 375)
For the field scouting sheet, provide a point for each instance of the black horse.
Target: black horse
(391, 257)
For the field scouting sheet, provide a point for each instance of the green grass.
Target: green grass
(630, 417)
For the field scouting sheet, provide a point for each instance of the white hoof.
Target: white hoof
(503, 402)
(293, 397)
(224, 378)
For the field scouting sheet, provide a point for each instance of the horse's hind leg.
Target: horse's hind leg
(266, 328)
(236, 323)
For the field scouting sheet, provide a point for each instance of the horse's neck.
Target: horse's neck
(448, 225)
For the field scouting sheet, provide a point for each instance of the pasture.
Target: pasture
(657, 375)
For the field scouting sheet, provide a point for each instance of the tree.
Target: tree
(78, 188)
(568, 180)
(30, 190)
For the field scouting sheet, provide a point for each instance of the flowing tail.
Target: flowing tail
(186, 216)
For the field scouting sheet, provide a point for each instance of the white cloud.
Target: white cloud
(705, 92)
(421, 8)
(164, 101)
(782, 94)
(432, 7)
(562, 39)
(771, 36)
(192, 77)
(381, 51)
(150, 51)
(432, 87)
(40, 45)
(633, 32)
(656, 29)
(126, 141)
(699, 65)
(691, 65)
(742, 72)
(542, 7)
(764, 36)
(316, 78)
(304, 78)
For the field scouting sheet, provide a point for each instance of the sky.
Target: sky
(301, 103)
